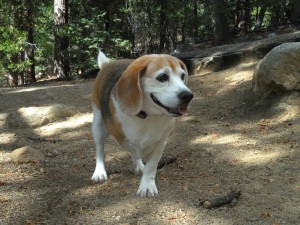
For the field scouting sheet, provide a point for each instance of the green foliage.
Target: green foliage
(122, 45)
(12, 43)
(85, 37)
(92, 28)
(44, 38)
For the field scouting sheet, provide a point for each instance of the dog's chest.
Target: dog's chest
(143, 133)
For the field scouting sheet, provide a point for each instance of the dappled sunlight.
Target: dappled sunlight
(219, 139)
(234, 139)
(234, 77)
(73, 122)
(35, 116)
(259, 157)
(184, 214)
(37, 88)
(187, 118)
(239, 77)
(27, 89)
(290, 112)
(3, 118)
(7, 137)
(4, 157)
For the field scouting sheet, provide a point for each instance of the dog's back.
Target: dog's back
(106, 80)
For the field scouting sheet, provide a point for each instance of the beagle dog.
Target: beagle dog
(138, 102)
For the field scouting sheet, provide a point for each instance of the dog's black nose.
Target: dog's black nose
(186, 96)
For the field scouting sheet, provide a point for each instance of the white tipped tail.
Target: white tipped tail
(102, 59)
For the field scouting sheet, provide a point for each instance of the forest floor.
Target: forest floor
(227, 141)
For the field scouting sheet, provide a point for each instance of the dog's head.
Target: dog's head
(155, 84)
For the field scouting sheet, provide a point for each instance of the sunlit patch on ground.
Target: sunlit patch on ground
(74, 122)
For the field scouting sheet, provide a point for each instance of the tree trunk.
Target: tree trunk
(261, 15)
(276, 15)
(195, 18)
(293, 11)
(21, 73)
(183, 25)
(242, 16)
(30, 72)
(61, 40)
(163, 25)
(246, 16)
(13, 77)
(16, 75)
(237, 16)
(106, 16)
(220, 26)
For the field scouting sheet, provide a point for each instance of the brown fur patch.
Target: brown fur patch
(159, 61)
(129, 90)
(102, 91)
(183, 66)
(96, 90)
(172, 64)
(114, 126)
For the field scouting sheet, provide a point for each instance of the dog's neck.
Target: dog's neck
(142, 115)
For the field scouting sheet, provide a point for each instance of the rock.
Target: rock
(278, 71)
(26, 154)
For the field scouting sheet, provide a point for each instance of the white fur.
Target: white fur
(102, 59)
(100, 134)
(145, 138)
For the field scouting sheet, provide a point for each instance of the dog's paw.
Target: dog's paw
(99, 175)
(138, 169)
(147, 189)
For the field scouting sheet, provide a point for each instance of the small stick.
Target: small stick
(218, 201)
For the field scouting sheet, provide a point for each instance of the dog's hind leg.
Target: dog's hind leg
(100, 134)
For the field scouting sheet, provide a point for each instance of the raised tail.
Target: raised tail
(102, 59)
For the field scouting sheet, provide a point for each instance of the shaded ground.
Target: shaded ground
(225, 142)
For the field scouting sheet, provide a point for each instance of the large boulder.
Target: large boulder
(278, 71)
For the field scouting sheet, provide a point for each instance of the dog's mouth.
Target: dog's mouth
(175, 112)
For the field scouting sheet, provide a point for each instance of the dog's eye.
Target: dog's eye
(162, 77)
(182, 76)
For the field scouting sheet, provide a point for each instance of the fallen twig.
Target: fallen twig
(217, 201)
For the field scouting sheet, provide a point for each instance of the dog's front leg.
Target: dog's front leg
(138, 165)
(147, 185)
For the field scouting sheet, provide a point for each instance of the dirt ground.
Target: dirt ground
(227, 141)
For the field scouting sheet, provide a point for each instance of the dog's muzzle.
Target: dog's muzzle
(185, 98)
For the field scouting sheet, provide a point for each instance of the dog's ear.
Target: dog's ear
(183, 66)
(129, 92)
